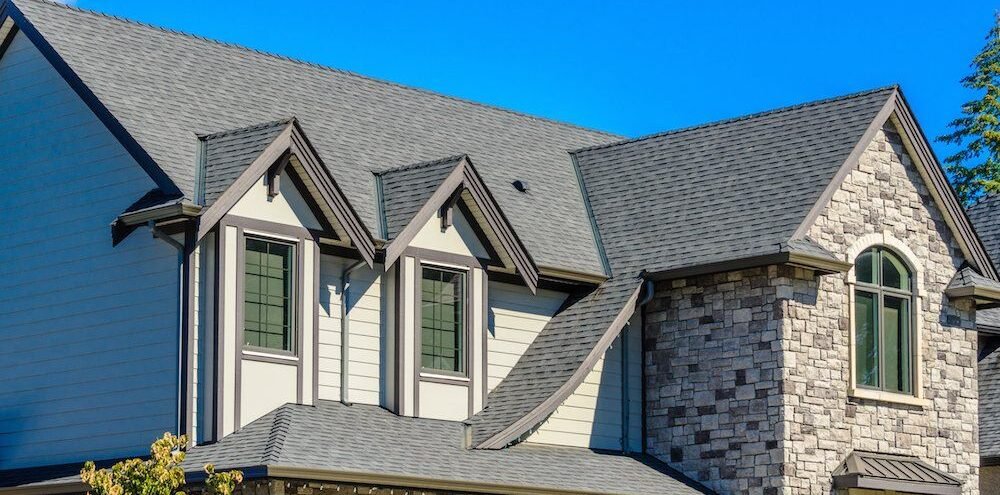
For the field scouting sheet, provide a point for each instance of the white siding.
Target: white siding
(593, 415)
(516, 317)
(364, 313)
(459, 239)
(88, 332)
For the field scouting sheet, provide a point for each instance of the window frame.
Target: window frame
(295, 273)
(880, 291)
(903, 253)
(466, 329)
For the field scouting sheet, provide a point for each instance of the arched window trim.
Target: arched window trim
(906, 255)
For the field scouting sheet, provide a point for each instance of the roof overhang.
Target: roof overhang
(396, 480)
(900, 473)
(465, 179)
(821, 264)
(984, 296)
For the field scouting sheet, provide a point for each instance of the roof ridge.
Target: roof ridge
(739, 118)
(417, 165)
(236, 130)
(280, 425)
(327, 67)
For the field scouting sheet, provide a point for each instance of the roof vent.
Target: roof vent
(520, 185)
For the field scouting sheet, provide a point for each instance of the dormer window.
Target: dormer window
(442, 316)
(267, 312)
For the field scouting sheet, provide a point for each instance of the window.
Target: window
(883, 344)
(267, 309)
(442, 313)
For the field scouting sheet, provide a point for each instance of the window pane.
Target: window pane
(442, 307)
(268, 295)
(894, 272)
(866, 338)
(896, 344)
(864, 267)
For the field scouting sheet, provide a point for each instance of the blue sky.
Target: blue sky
(633, 68)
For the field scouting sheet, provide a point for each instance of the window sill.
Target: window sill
(270, 356)
(443, 377)
(882, 396)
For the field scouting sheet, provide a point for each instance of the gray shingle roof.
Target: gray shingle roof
(721, 191)
(985, 217)
(989, 405)
(229, 153)
(558, 352)
(406, 189)
(968, 277)
(165, 86)
(368, 439)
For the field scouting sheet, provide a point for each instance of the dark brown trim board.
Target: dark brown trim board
(897, 111)
(116, 128)
(282, 233)
(188, 333)
(513, 431)
(292, 141)
(465, 176)
(470, 380)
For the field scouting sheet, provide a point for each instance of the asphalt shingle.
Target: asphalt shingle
(722, 191)
(331, 436)
(558, 351)
(406, 189)
(229, 153)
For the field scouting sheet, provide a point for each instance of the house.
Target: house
(984, 216)
(343, 285)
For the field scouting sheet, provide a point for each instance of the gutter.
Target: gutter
(345, 329)
(821, 264)
(417, 482)
(161, 212)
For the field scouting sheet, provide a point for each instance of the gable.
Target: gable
(71, 301)
(288, 207)
(459, 239)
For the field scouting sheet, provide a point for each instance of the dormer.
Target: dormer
(445, 236)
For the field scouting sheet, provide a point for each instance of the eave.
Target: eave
(382, 479)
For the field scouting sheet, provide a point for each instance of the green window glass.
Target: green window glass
(267, 308)
(883, 343)
(442, 312)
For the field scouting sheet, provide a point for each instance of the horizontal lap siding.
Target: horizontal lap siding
(516, 317)
(330, 268)
(365, 330)
(593, 414)
(88, 332)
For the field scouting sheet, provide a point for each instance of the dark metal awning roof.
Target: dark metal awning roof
(901, 473)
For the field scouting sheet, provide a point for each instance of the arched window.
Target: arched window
(884, 343)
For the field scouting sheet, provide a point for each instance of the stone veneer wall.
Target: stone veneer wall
(713, 379)
(747, 373)
(884, 195)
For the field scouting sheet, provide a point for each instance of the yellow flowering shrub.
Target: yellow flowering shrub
(161, 474)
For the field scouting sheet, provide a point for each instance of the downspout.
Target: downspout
(182, 338)
(626, 410)
(345, 328)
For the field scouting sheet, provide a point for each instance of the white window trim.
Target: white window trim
(887, 240)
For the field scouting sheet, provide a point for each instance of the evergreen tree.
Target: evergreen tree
(975, 169)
